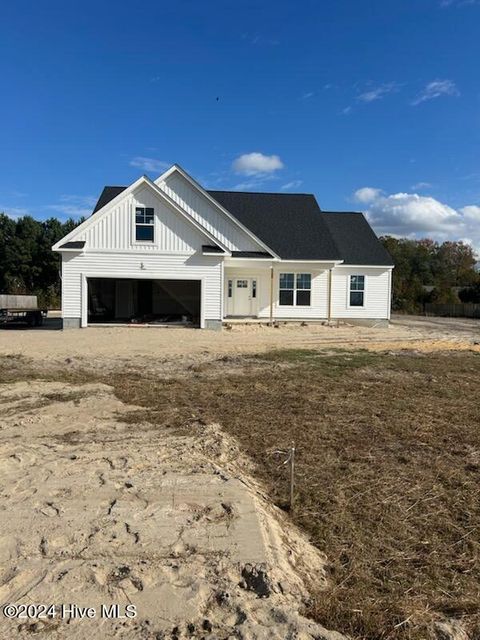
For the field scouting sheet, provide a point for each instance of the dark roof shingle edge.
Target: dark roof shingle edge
(108, 194)
(251, 254)
(73, 244)
(212, 248)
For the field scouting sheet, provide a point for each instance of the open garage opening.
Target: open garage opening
(143, 301)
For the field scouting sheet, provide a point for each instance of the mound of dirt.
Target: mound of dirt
(98, 510)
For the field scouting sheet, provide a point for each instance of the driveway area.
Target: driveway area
(137, 346)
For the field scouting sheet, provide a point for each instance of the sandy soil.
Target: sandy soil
(98, 511)
(154, 347)
(86, 497)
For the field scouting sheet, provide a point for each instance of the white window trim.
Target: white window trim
(356, 306)
(143, 243)
(294, 305)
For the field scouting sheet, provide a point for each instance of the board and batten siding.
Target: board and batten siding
(207, 214)
(377, 293)
(115, 228)
(77, 267)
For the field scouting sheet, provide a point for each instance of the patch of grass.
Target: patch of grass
(333, 363)
(388, 471)
(388, 452)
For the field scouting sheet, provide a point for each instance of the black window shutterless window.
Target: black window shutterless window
(295, 289)
(144, 224)
(357, 291)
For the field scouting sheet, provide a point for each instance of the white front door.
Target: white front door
(242, 296)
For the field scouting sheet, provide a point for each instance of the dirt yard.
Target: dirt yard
(154, 347)
(139, 466)
(99, 510)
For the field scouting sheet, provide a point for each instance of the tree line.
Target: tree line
(425, 271)
(428, 271)
(27, 262)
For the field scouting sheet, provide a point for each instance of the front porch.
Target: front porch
(266, 291)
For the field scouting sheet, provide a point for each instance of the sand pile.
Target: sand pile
(98, 511)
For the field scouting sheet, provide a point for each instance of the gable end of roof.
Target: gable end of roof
(294, 226)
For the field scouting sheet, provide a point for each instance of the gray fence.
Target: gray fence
(469, 310)
(17, 302)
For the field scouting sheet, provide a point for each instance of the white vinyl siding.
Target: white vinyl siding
(319, 291)
(208, 215)
(376, 303)
(128, 265)
(376, 296)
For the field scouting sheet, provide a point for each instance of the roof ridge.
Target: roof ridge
(261, 193)
(357, 213)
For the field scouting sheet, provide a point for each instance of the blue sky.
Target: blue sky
(370, 105)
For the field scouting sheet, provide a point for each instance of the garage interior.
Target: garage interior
(130, 301)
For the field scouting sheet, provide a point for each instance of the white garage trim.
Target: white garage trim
(146, 276)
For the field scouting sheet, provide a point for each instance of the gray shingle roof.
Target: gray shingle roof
(356, 240)
(73, 244)
(293, 226)
(108, 193)
(289, 223)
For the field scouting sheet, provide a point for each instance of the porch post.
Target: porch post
(271, 295)
(329, 294)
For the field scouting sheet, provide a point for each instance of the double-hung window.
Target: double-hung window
(295, 289)
(357, 291)
(144, 224)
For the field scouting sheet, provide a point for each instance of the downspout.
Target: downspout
(271, 296)
(330, 295)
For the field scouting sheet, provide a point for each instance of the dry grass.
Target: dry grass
(388, 471)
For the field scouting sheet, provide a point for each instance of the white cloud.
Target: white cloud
(260, 39)
(471, 212)
(149, 164)
(346, 111)
(250, 164)
(416, 216)
(377, 93)
(254, 183)
(436, 89)
(70, 211)
(420, 186)
(457, 3)
(15, 212)
(307, 95)
(366, 194)
(294, 184)
(73, 206)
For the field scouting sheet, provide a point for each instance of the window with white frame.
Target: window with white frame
(357, 291)
(144, 224)
(295, 289)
